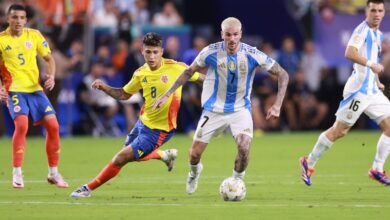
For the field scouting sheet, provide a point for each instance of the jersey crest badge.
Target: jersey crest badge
(17, 108)
(164, 78)
(28, 44)
(232, 66)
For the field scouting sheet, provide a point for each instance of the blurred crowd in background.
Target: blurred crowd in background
(102, 39)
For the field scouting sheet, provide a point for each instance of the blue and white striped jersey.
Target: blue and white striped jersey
(368, 42)
(228, 83)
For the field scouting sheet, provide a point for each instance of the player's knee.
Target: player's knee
(52, 126)
(21, 124)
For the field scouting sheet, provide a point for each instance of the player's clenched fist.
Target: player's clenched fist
(98, 84)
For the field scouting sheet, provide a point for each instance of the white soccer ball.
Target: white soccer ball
(232, 189)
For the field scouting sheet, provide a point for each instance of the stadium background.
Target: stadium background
(85, 48)
(101, 39)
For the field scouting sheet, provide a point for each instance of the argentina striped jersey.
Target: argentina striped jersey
(368, 42)
(228, 83)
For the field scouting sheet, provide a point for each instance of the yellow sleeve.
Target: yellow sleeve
(134, 85)
(42, 45)
(194, 77)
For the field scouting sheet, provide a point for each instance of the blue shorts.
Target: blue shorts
(36, 104)
(144, 140)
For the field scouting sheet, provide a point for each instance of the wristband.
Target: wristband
(369, 63)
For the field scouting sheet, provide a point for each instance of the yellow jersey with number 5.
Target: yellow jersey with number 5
(19, 69)
(153, 84)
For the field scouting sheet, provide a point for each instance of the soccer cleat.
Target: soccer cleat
(171, 157)
(192, 180)
(306, 171)
(81, 192)
(17, 181)
(57, 180)
(379, 176)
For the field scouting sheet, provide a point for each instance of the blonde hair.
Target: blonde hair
(230, 22)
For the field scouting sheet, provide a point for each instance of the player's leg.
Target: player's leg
(241, 125)
(19, 111)
(349, 111)
(209, 125)
(18, 148)
(53, 151)
(243, 142)
(196, 165)
(167, 156)
(379, 111)
(42, 112)
(124, 156)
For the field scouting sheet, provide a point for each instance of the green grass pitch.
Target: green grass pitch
(340, 190)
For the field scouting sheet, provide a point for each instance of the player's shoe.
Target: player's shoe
(192, 180)
(57, 180)
(171, 157)
(306, 171)
(81, 192)
(379, 176)
(17, 181)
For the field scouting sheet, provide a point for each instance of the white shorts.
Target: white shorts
(211, 124)
(375, 106)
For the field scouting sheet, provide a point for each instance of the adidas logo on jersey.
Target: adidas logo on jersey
(8, 48)
(140, 153)
(48, 109)
(144, 80)
(222, 66)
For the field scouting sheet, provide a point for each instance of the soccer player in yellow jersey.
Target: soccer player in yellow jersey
(153, 128)
(23, 93)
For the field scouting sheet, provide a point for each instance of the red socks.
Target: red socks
(106, 174)
(19, 140)
(156, 154)
(52, 141)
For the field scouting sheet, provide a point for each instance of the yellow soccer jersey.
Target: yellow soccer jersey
(19, 70)
(154, 84)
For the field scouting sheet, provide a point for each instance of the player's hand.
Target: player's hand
(3, 95)
(273, 112)
(377, 68)
(159, 102)
(381, 86)
(49, 83)
(98, 84)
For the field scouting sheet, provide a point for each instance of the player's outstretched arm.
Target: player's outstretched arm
(282, 75)
(116, 93)
(183, 78)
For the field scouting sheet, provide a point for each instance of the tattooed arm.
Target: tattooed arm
(116, 93)
(282, 75)
(183, 78)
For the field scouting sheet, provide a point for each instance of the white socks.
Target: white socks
(195, 169)
(382, 151)
(238, 175)
(53, 170)
(323, 144)
(17, 171)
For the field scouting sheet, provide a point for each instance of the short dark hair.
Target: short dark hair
(152, 39)
(16, 7)
(375, 2)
